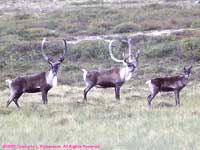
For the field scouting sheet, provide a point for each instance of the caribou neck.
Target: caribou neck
(51, 78)
(185, 79)
(126, 73)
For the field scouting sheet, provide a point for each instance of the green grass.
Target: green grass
(127, 124)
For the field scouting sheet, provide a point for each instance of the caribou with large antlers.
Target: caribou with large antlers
(111, 78)
(40, 82)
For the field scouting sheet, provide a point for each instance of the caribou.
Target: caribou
(169, 84)
(114, 77)
(40, 82)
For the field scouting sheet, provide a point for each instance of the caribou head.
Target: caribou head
(129, 62)
(54, 66)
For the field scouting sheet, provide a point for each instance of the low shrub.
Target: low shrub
(125, 28)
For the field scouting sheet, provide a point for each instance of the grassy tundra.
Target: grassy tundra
(127, 124)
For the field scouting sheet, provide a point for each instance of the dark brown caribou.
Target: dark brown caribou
(169, 84)
(111, 78)
(40, 82)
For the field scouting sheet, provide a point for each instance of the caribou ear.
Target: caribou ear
(184, 69)
(190, 68)
(61, 59)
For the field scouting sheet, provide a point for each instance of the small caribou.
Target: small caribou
(169, 84)
(111, 78)
(40, 82)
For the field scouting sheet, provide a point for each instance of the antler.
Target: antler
(64, 51)
(129, 49)
(130, 54)
(128, 41)
(111, 54)
(42, 49)
(137, 54)
(192, 55)
(132, 57)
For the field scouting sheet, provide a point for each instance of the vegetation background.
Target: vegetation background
(127, 124)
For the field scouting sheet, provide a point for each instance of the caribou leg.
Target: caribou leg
(177, 97)
(44, 97)
(16, 103)
(117, 92)
(86, 90)
(11, 98)
(151, 96)
(14, 97)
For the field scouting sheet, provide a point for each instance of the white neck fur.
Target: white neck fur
(125, 73)
(51, 79)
